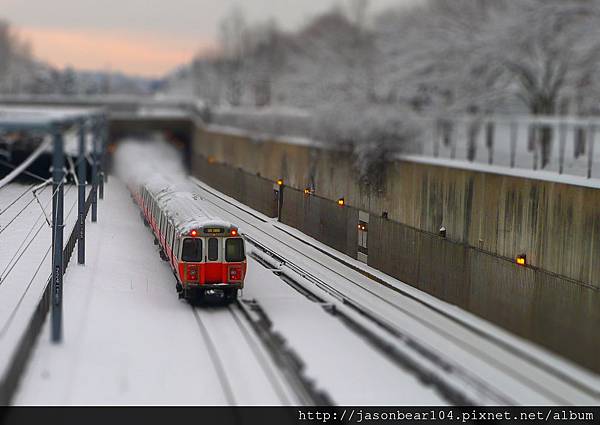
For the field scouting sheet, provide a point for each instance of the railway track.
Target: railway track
(449, 379)
(543, 381)
(242, 323)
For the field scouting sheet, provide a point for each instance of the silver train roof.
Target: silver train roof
(183, 206)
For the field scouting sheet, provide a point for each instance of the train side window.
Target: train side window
(234, 250)
(192, 250)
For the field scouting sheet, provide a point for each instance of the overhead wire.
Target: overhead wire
(16, 216)
(37, 270)
(27, 173)
(10, 265)
(17, 199)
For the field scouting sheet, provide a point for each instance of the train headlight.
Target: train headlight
(194, 233)
(235, 273)
(192, 273)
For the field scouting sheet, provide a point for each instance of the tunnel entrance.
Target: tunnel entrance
(177, 131)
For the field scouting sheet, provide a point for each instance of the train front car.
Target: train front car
(211, 260)
(206, 254)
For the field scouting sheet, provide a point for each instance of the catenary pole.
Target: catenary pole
(57, 232)
(81, 174)
(95, 142)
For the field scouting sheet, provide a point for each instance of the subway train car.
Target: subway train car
(206, 254)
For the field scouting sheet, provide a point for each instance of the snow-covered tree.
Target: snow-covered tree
(233, 48)
(441, 57)
(16, 63)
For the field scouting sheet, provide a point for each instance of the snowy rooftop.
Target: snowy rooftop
(17, 118)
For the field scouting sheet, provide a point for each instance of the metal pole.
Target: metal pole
(513, 142)
(489, 138)
(57, 231)
(562, 129)
(592, 130)
(105, 151)
(101, 149)
(96, 136)
(279, 202)
(436, 139)
(81, 195)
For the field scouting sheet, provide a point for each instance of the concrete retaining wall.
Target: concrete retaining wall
(489, 219)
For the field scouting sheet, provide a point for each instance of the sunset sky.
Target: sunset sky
(143, 37)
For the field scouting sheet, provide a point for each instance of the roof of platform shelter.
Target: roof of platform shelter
(42, 118)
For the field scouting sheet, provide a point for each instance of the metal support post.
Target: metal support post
(105, 151)
(81, 195)
(101, 149)
(57, 232)
(279, 202)
(95, 142)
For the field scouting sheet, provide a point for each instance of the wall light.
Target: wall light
(341, 202)
(521, 260)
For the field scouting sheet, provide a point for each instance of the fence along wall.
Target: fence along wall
(489, 220)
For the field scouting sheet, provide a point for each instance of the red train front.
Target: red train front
(211, 259)
(207, 255)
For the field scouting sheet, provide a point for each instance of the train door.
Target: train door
(213, 266)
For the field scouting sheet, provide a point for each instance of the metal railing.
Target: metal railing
(10, 381)
(561, 145)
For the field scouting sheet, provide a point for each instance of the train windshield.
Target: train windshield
(234, 250)
(213, 249)
(192, 250)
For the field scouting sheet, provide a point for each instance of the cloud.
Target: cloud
(134, 53)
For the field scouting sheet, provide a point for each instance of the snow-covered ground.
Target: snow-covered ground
(511, 368)
(129, 340)
(25, 260)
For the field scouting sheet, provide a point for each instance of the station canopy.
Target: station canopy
(14, 118)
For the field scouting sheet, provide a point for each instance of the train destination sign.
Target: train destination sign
(214, 230)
